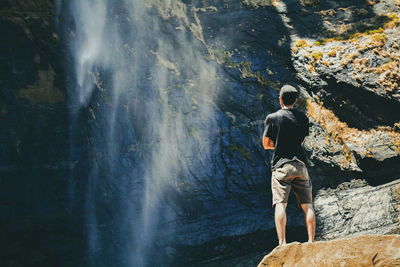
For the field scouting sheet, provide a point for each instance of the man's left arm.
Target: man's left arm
(269, 132)
(268, 143)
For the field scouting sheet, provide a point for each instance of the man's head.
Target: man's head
(288, 95)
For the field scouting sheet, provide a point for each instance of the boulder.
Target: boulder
(374, 250)
(355, 208)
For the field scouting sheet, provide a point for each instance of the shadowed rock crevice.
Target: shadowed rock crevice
(378, 172)
(359, 108)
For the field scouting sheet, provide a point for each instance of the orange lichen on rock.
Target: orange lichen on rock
(393, 21)
(379, 39)
(316, 56)
(388, 72)
(348, 58)
(275, 2)
(396, 193)
(309, 2)
(389, 76)
(373, 41)
(362, 63)
(332, 53)
(327, 119)
(298, 45)
(340, 131)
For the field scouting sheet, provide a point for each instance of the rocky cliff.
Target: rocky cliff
(39, 208)
(222, 63)
(371, 250)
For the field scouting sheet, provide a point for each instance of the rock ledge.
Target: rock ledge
(370, 250)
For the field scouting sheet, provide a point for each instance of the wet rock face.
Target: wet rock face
(221, 208)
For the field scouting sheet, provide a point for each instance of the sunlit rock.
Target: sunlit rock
(371, 250)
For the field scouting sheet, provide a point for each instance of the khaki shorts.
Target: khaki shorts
(292, 174)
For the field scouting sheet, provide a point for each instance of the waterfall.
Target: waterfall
(144, 88)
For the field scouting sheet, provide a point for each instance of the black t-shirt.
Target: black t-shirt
(287, 128)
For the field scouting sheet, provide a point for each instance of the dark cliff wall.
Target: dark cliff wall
(343, 55)
(41, 205)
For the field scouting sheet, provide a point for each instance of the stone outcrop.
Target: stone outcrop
(373, 250)
(350, 69)
(356, 208)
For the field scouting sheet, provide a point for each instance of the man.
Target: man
(284, 132)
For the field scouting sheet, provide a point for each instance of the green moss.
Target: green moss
(393, 20)
(301, 43)
(246, 72)
(379, 30)
(379, 38)
(184, 88)
(332, 53)
(309, 2)
(224, 58)
(317, 56)
(106, 99)
(242, 150)
(372, 27)
(172, 109)
(190, 128)
(258, 3)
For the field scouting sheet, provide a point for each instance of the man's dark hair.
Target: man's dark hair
(289, 94)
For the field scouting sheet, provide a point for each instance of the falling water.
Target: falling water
(146, 88)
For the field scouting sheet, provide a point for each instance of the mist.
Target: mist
(151, 116)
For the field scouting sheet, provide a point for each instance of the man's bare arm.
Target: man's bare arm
(268, 143)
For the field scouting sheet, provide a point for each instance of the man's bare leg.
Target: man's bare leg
(280, 222)
(309, 216)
